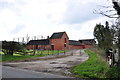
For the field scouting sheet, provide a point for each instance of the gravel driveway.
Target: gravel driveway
(60, 66)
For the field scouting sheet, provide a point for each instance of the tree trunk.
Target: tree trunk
(9, 52)
(119, 46)
(34, 52)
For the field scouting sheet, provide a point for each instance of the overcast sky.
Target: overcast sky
(44, 17)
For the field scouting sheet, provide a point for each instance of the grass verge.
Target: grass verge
(10, 58)
(94, 67)
(19, 57)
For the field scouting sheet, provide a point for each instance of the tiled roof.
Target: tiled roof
(87, 41)
(57, 35)
(39, 42)
(73, 42)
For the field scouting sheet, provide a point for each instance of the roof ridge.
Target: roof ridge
(56, 35)
(58, 32)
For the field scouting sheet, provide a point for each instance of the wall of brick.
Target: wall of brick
(46, 47)
(59, 43)
(89, 46)
(75, 47)
(30, 46)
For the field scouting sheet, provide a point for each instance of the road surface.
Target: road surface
(42, 68)
(9, 72)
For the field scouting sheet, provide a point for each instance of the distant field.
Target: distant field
(23, 56)
(94, 67)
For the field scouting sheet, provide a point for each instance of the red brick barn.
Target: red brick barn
(59, 41)
(74, 45)
(38, 44)
(87, 43)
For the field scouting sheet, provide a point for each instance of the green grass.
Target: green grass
(1, 53)
(94, 67)
(9, 58)
(19, 56)
(113, 72)
(49, 52)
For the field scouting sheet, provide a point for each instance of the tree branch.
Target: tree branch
(105, 13)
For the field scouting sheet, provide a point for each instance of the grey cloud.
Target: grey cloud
(11, 5)
(49, 16)
(78, 13)
(4, 4)
(17, 29)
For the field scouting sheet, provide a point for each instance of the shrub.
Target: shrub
(113, 72)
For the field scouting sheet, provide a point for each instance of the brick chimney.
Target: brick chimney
(48, 37)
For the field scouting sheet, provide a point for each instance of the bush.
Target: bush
(113, 72)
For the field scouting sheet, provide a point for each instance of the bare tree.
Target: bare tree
(113, 11)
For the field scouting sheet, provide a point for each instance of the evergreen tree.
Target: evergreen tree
(98, 33)
(10, 47)
(103, 35)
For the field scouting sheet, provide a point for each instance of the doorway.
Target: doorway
(52, 47)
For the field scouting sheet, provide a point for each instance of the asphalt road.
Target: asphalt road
(8, 72)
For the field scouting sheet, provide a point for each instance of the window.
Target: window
(65, 45)
(54, 40)
(65, 40)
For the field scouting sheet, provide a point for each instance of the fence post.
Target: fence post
(48, 51)
(64, 51)
(80, 52)
(58, 51)
(72, 51)
(52, 52)
(41, 51)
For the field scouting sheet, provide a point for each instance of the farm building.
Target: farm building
(75, 44)
(38, 44)
(87, 43)
(59, 41)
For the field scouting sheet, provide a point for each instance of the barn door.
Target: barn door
(52, 47)
(36, 46)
